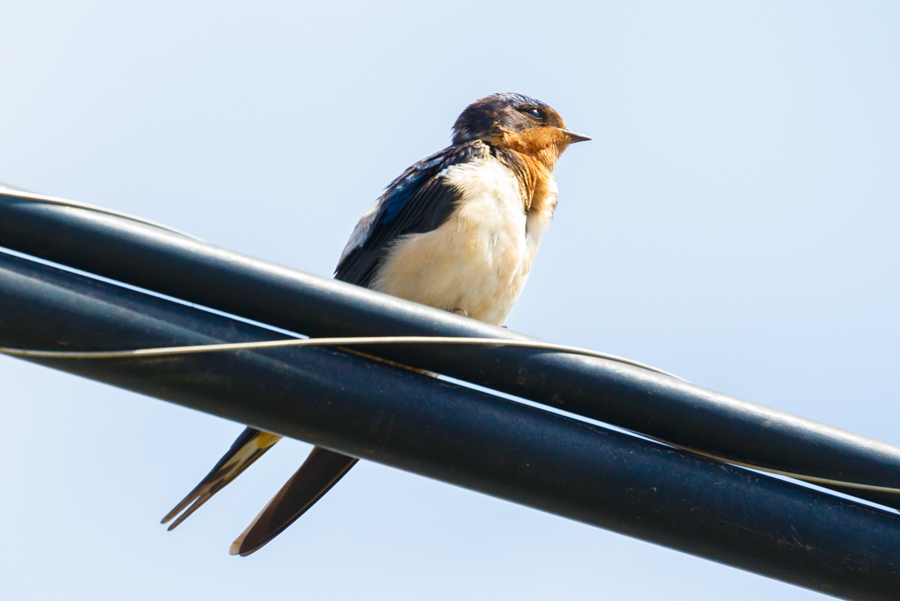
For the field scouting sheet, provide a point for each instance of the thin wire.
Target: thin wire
(770, 470)
(380, 340)
(801, 477)
(340, 341)
(364, 340)
(54, 200)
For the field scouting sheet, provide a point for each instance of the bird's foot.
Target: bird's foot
(459, 311)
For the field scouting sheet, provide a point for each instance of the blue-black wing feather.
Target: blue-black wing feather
(418, 201)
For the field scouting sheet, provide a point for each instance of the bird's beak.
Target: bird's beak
(573, 137)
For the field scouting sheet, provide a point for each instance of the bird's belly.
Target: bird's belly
(477, 261)
(454, 267)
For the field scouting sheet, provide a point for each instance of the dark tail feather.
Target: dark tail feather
(248, 447)
(321, 470)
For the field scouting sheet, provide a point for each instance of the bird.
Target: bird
(459, 231)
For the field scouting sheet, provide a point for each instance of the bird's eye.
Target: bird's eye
(535, 112)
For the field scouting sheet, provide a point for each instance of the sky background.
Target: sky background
(734, 221)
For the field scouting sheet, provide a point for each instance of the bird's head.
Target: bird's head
(516, 122)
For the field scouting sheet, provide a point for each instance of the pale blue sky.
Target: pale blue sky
(734, 221)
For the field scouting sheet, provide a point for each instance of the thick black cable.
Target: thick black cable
(372, 410)
(658, 406)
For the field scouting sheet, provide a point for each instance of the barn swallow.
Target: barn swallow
(458, 231)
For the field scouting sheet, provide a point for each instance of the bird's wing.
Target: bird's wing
(321, 470)
(247, 448)
(418, 201)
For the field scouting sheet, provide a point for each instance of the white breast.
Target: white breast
(480, 258)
